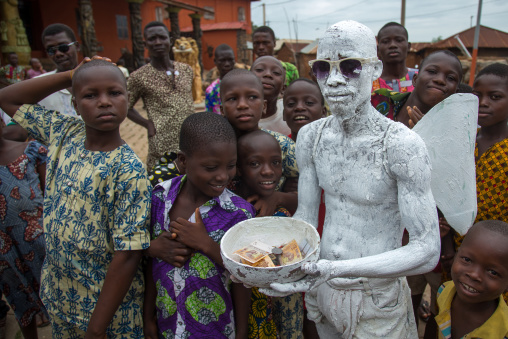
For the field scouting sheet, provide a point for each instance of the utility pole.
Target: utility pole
(475, 45)
(264, 15)
(403, 13)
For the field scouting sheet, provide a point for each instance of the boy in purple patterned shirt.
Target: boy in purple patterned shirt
(192, 294)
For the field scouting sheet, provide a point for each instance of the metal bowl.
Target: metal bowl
(273, 231)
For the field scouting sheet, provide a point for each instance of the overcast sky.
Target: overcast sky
(425, 19)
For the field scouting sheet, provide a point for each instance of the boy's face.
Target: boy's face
(260, 164)
(392, 45)
(437, 80)
(242, 102)
(64, 61)
(302, 105)
(157, 41)
(272, 75)
(225, 62)
(480, 267)
(210, 169)
(263, 44)
(492, 93)
(100, 97)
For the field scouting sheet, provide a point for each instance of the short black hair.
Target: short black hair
(497, 69)
(154, 24)
(450, 54)
(390, 24)
(93, 64)
(309, 82)
(222, 48)
(236, 73)
(201, 129)
(54, 29)
(264, 29)
(464, 88)
(497, 226)
(245, 139)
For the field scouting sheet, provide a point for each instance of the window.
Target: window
(121, 27)
(159, 14)
(241, 14)
(207, 15)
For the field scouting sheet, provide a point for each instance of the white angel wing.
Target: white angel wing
(449, 132)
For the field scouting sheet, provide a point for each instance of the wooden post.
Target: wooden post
(472, 73)
(89, 45)
(175, 25)
(136, 32)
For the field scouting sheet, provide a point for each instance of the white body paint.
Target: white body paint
(449, 133)
(273, 231)
(376, 177)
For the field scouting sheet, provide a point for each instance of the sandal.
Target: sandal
(424, 311)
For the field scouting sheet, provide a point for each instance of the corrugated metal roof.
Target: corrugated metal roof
(489, 38)
(295, 47)
(416, 46)
(220, 26)
(310, 48)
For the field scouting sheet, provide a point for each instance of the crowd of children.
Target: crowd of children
(101, 217)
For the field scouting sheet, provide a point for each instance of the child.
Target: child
(491, 87)
(22, 175)
(272, 75)
(471, 305)
(242, 105)
(439, 76)
(260, 168)
(303, 104)
(194, 299)
(96, 206)
(224, 61)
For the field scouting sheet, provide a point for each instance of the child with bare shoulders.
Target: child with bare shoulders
(260, 169)
(471, 306)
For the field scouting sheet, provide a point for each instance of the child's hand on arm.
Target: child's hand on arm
(415, 115)
(266, 207)
(166, 248)
(119, 277)
(195, 235)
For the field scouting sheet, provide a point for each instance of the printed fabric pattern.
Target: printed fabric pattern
(194, 301)
(168, 100)
(212, 97)
(21, 233)
(95, 203)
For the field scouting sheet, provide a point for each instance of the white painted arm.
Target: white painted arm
(309, 192)
(411, 168)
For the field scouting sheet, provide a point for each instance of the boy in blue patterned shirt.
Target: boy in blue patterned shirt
(96, 206)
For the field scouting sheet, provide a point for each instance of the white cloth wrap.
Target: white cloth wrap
(362, 308)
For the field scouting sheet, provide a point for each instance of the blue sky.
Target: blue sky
(425, 20)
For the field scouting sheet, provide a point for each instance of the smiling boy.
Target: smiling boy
(471, 305)
(271, 73)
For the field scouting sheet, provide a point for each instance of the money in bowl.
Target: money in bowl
(261, 251)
